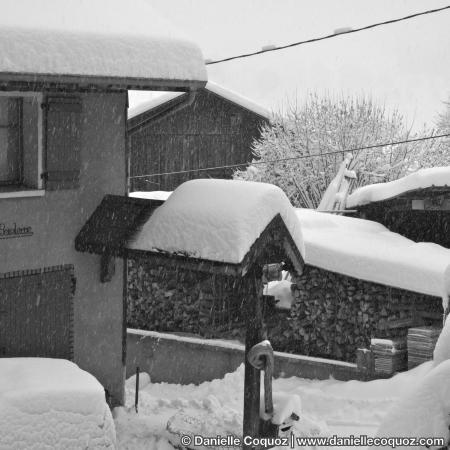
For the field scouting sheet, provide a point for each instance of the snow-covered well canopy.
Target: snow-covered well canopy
(64, 43)
(367, 250)
(422, 179)
(217, 220)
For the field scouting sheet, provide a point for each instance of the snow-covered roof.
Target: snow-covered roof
(424, 178)
(239, 99)
(63, 41)
(216, 220)
(51, 403)
(157, 100)
(217, 89)
(367, 250)
(151, 195)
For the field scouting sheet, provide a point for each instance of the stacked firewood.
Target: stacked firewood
(333, 314)
(162, 299)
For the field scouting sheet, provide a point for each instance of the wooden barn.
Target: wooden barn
(62, 149)
(416, 206)
(209, 128)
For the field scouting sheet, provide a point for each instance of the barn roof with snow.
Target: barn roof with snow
(436, 179)
(65, 47)
(212, 87)
(369, 251)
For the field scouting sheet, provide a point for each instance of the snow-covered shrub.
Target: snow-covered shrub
(324, 125)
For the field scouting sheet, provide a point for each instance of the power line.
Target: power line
(329, 36)
(292, 158)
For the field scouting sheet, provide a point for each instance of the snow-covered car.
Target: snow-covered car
(52, 403)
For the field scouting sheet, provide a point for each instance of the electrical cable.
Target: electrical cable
(292, 158)
(329, 36)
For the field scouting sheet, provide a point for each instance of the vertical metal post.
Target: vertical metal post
(254, 334)
(136, 392)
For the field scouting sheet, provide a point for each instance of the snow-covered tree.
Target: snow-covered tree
(443, 126)
(443, 122)
(320, 132)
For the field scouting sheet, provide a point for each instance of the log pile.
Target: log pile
(333, 314)
(162, 299)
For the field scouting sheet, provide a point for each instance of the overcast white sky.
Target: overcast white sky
(404, 65)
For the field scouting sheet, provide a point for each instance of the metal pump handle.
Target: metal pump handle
(261, 357)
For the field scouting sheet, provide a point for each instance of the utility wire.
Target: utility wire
(330, 36)
(292, 158)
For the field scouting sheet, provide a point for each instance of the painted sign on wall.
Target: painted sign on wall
(12, 230)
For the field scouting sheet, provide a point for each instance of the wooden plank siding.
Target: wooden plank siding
(210, 132)
(36, 313)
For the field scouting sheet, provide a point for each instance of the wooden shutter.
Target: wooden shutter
(63, 143)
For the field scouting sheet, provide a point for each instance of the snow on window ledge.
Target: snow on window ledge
(18, 193)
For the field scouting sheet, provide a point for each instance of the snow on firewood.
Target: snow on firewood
(367, 250)
(436, 176)
(216, 219)
(51, 403)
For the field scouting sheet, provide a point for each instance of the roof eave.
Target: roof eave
(152, 111)
(136, 122)
(36, 81)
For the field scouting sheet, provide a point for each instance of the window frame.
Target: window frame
(8, 190)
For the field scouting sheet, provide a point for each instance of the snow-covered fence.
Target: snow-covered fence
(194, 360)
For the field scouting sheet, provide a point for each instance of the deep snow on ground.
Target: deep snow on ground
(412, 403)
(351, 407)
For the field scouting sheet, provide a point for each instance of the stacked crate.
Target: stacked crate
(421, 343)
(390, 355)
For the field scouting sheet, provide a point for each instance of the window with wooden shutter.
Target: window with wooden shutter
(63, 143)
